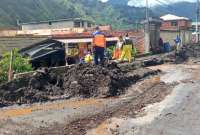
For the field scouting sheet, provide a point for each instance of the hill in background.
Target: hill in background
(186, 9)
(115, 12)
(120, 16)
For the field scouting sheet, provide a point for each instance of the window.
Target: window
(50, 23)
(82, 23)
(174, 23)
(77, 24)
(89, 25)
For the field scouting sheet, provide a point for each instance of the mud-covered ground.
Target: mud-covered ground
(104, 93)
(168, 104)
(188, 52)
(154, 93)
(84, 81)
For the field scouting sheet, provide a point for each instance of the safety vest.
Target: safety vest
(127, 42)
(99, 40)
(88, 58)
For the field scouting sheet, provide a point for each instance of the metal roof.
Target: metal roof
(170, 17)
(85, 40)
(9, 43)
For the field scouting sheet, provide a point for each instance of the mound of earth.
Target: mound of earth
(188, 51)
(79, 81)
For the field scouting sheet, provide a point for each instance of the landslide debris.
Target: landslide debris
(189, 51)
(78, 81)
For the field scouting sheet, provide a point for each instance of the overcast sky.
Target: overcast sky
(152, 2)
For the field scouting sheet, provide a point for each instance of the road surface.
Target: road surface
(167, 104)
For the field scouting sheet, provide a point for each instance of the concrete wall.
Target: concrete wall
(54, 25)
(49, 32)
(8, 33)
(169, 36)
(152, 34)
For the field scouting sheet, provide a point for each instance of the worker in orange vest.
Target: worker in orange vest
(99, 45)
(117, 51)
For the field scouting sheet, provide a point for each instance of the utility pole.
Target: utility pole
(147, 31)
(10, 72)
(197, 21)
(147, 9)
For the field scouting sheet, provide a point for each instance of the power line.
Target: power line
(168, 7)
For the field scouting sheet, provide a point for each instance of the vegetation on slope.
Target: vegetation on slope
(120, 16)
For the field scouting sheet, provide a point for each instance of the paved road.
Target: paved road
(178, 114)
(181, 114)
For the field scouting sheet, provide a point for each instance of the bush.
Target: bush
(19, 65)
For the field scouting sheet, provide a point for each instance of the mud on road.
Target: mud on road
(149, 92)
(83, 81)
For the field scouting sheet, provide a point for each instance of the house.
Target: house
(54, 50)
(77, 44)
(57, 24)
(173, 22)
(194, 25)
(173, 26)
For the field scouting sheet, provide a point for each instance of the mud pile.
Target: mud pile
(192, 50)
(79, 81)
(188, 51)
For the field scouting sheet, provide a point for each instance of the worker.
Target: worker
(127, 49)
(88, 57)
(161, 48)
(177, 43)
(117, 51)
(99, 45)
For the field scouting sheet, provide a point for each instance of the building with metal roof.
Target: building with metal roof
(57, 24)
(173, 22)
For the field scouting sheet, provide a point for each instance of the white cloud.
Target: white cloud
(152, 2)
(155, 2)
(104, 0)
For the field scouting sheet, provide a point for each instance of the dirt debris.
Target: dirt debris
(78, 81)
(189, 51)
(127, 109)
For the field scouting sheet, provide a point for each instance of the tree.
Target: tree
(19, 65)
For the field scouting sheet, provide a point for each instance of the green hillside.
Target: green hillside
(114, 12)
(186, 9)
(120, 16)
